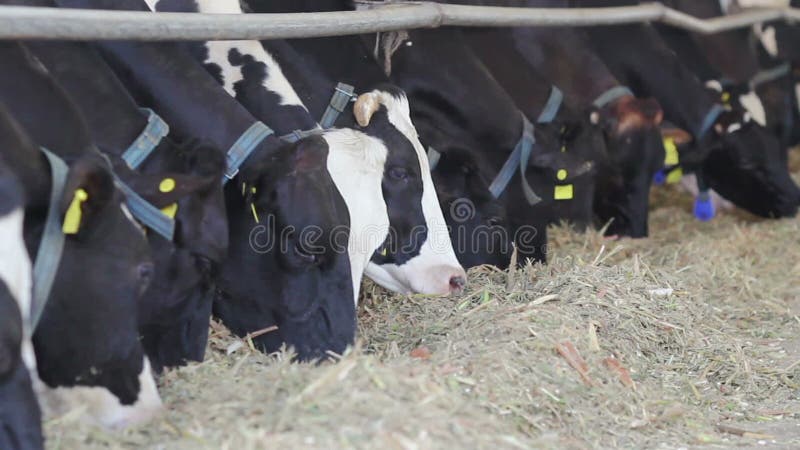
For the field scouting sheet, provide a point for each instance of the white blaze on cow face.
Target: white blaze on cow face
(355, 163)
(99, 406)
(15, 272)
(432, 270)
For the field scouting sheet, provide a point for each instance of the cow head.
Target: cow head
(635, 154)
(563, 171)
(87, 345)
(477, 222)
(19, 417)
(418, 255)
(287, 278)
(749, 168)
(182, 180)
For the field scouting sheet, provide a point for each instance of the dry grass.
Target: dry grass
(703, 317)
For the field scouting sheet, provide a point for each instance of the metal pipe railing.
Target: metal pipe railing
(20, 22)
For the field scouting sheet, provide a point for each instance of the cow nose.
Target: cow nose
(457, 284)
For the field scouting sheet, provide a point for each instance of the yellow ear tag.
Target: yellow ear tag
(170, 210)
(726, 98)
(671, 152)
(72, 219)
(563, 192)
(167, 185)
(384, 251)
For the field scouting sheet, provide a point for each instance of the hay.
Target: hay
(686, 338)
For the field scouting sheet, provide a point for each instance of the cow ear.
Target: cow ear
(88, 191)
(365, 106)
(162, 190)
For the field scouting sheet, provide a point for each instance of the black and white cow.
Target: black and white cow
(417, 256)
(20, 422)
(87, 346)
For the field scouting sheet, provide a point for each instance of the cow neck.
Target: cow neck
(658, 73)
(193, 103)
(116, 123)
(580, 73)
(495, 47)
(518, 158)
(42, 102)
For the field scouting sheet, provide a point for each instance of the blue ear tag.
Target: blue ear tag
(703, 207)
(659, 178)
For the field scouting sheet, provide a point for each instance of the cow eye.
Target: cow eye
(398, 173)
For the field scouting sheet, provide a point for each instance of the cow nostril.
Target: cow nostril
(457, 283)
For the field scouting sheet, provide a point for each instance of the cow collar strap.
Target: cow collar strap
(243, 147)
(51, 246)
(148, 140)
(519, 158)
(611, 95)
(552, 106)
(343, 94)
(769, 75)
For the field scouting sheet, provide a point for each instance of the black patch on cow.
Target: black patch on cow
(402, 190)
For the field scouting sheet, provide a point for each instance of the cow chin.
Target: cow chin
(99, 406)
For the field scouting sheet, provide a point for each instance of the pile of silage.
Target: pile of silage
(702, 317)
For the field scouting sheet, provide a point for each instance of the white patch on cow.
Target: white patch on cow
(797, 95)
(715, 85)
(734, 127)
(99, 406)
(430, 271)
(725, 5)
(15, 272)
(767, 37)
(218, 52)
(356, 163)
(752, 103)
